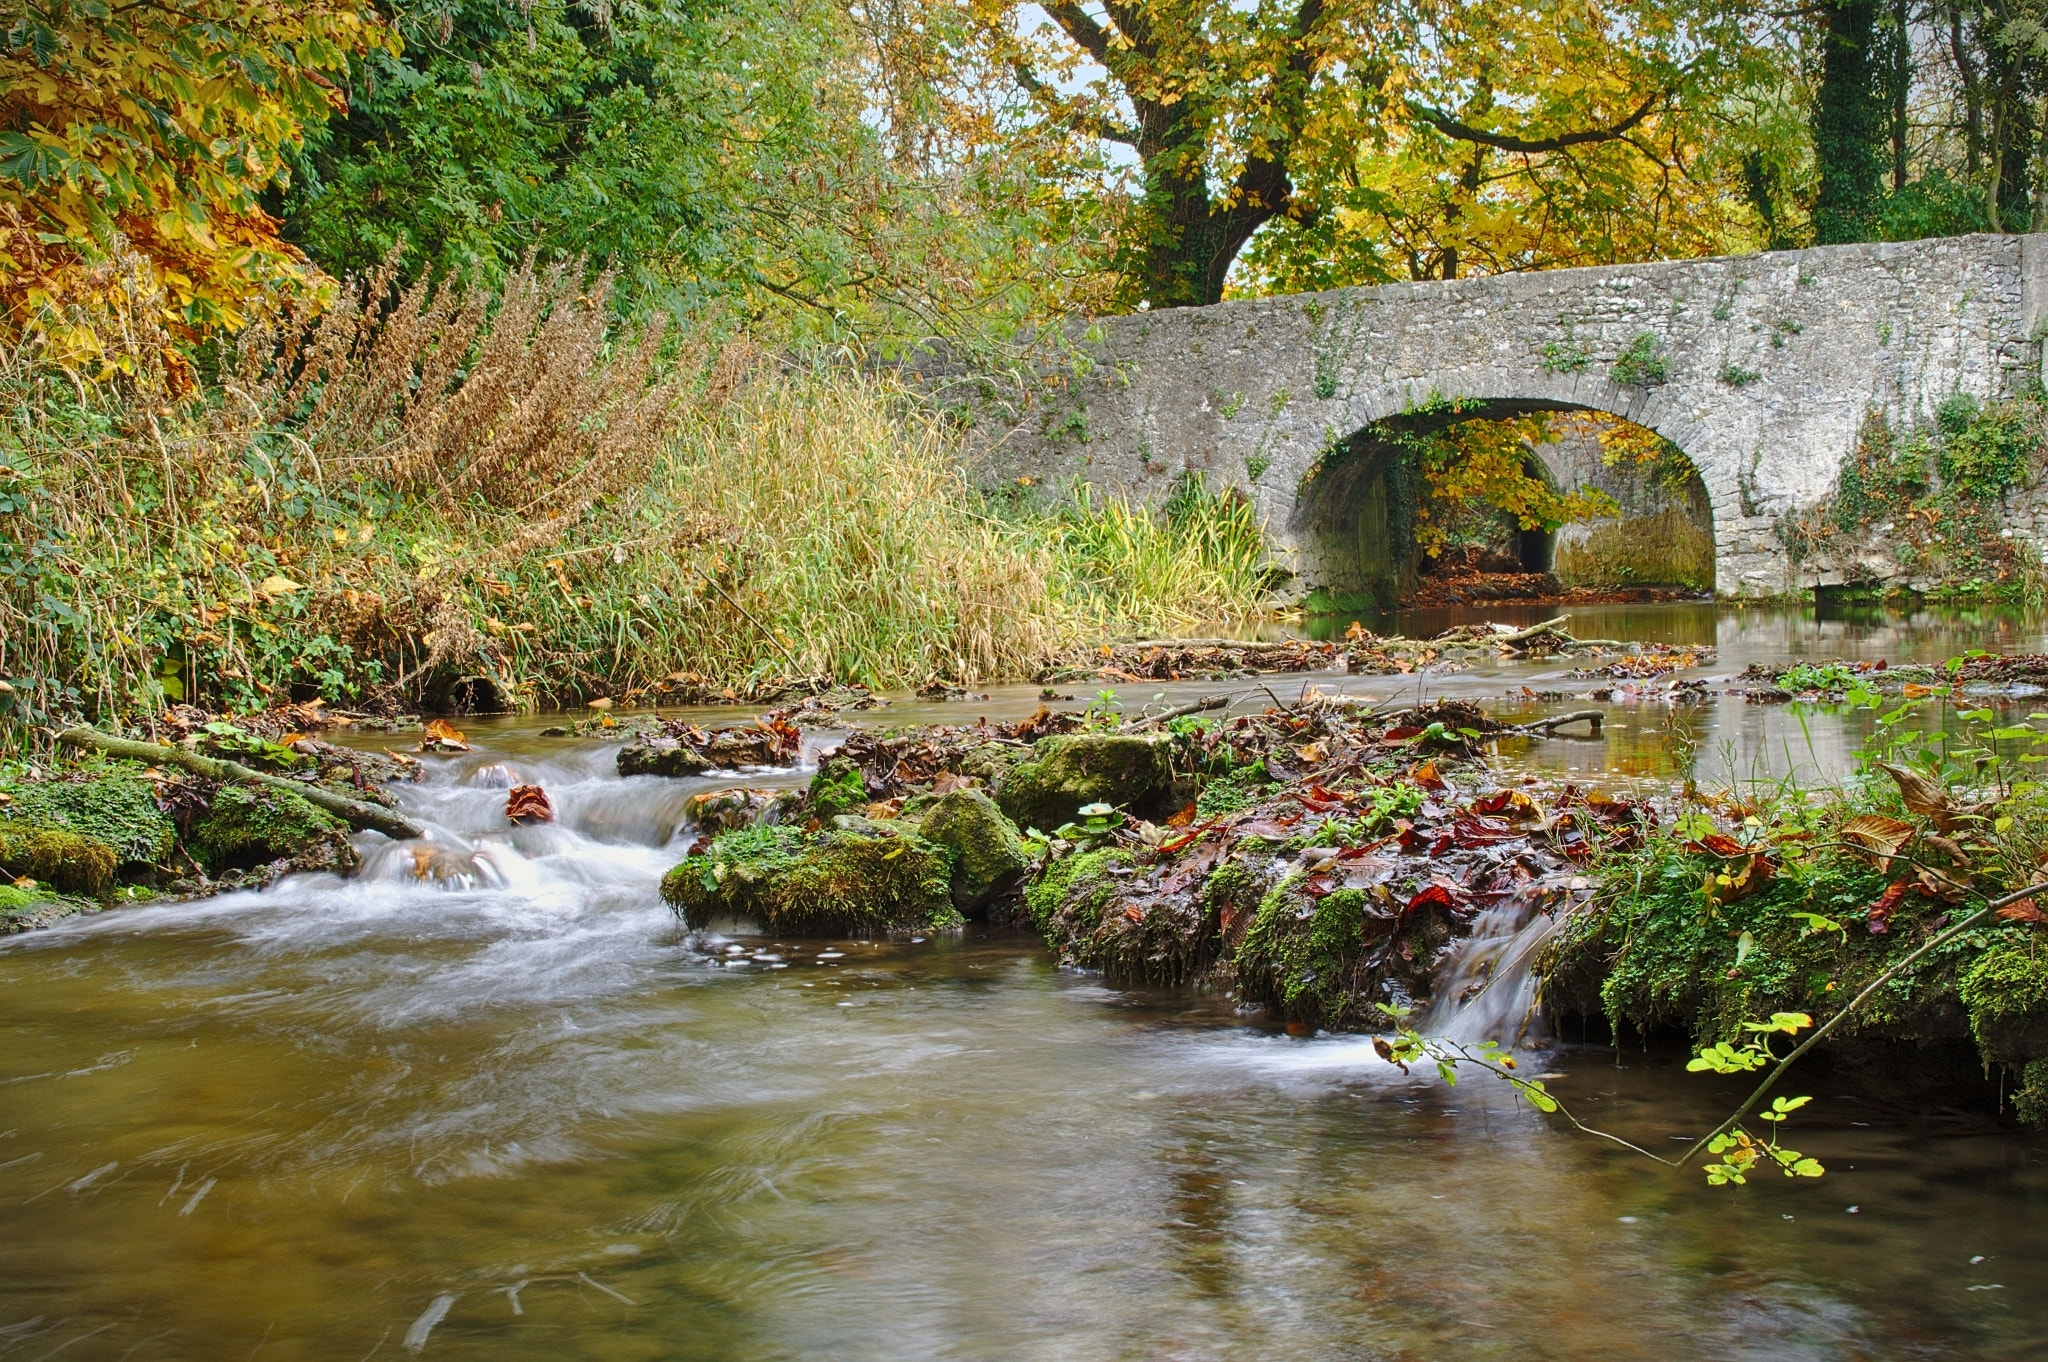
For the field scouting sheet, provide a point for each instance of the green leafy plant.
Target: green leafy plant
(1643, 364)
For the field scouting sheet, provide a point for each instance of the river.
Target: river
(521, 1114)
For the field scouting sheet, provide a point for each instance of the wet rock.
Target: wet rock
(244, 829)
(118, 807)
(1128, 771)
(989, 859)
(717, 811)
(68, 862)
(855, 878)
(662, 756)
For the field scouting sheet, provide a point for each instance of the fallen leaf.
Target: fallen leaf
(1717, 844)
(1887, 903)
(1425, 775)
(529, 804)
(1923, 796)
(273, 586)
(2023, 911)
(442, 736)
(1877, 833)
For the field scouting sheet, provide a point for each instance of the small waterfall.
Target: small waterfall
(1487, 990)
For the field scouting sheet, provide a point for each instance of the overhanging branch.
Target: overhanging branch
(1451, 127)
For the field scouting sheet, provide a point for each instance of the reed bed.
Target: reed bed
(413, 490)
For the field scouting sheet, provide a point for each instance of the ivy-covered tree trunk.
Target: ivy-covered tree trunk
(1850, 125)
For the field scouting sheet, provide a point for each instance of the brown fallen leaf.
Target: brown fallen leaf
(1923, 796)
(1878, 834)
(442, 736)
(529, 804)
(2026, 910)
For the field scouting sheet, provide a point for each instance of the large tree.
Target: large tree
(1286, 112)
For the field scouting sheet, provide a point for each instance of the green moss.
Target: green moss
(117, 807)
(1082, 876)
(2030, 1102)
(1100, 911)
(1301, 954)
(1064, 773)
(2006, 992)
(1665, 957)
(853, 879)
(1239, 789)
(837, 788)
(67, 862)
(244, 828)
(988, 855)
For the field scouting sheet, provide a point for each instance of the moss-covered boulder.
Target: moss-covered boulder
(838, 788)
(662, 756)
(1107, 910)
(2006, 992)
(855, 878)
(115, 806)
(1132, 772)
(245, 828)
(56, 858)
(989, 859)
(1326, 958)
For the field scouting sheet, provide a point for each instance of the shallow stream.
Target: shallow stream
(516, 1112)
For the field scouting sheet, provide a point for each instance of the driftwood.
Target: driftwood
(358, 814)
(1543, 728)
(1207, 702)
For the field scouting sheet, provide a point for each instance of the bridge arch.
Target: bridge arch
(1348, 518)
(1763, 369)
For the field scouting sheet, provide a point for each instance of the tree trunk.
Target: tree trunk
(1849, 126)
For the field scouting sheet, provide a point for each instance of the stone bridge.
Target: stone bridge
(1761, 368)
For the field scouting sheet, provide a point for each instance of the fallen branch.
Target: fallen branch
(1207, 702)
(1543, 728)
(359, 815)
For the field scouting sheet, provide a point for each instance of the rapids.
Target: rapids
(488, 1100)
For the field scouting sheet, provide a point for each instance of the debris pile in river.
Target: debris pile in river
(1360, 652)
(1318, 858)
(676, 747)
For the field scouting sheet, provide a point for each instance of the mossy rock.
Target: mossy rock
(2006, 992)
(1067, 772)
(855, 878)
(245, 828)
(117, 807)
(1300, 955)
(65, 861)
(662, 757)
(988, 856)
(1098, 911)
(1327, 960)
(838, 788)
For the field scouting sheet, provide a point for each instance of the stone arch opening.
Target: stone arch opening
(1371, 521)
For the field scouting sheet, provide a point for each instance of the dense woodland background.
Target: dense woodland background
(354, 348)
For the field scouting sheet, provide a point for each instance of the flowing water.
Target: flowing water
(513, 1111)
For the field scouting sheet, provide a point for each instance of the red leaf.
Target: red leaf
(529, 804)
(2023, 911)
(1401, 734)
(1435, 896)
(1887, 902)
(1718, 844)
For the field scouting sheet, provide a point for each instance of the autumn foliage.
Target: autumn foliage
(160, 123)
